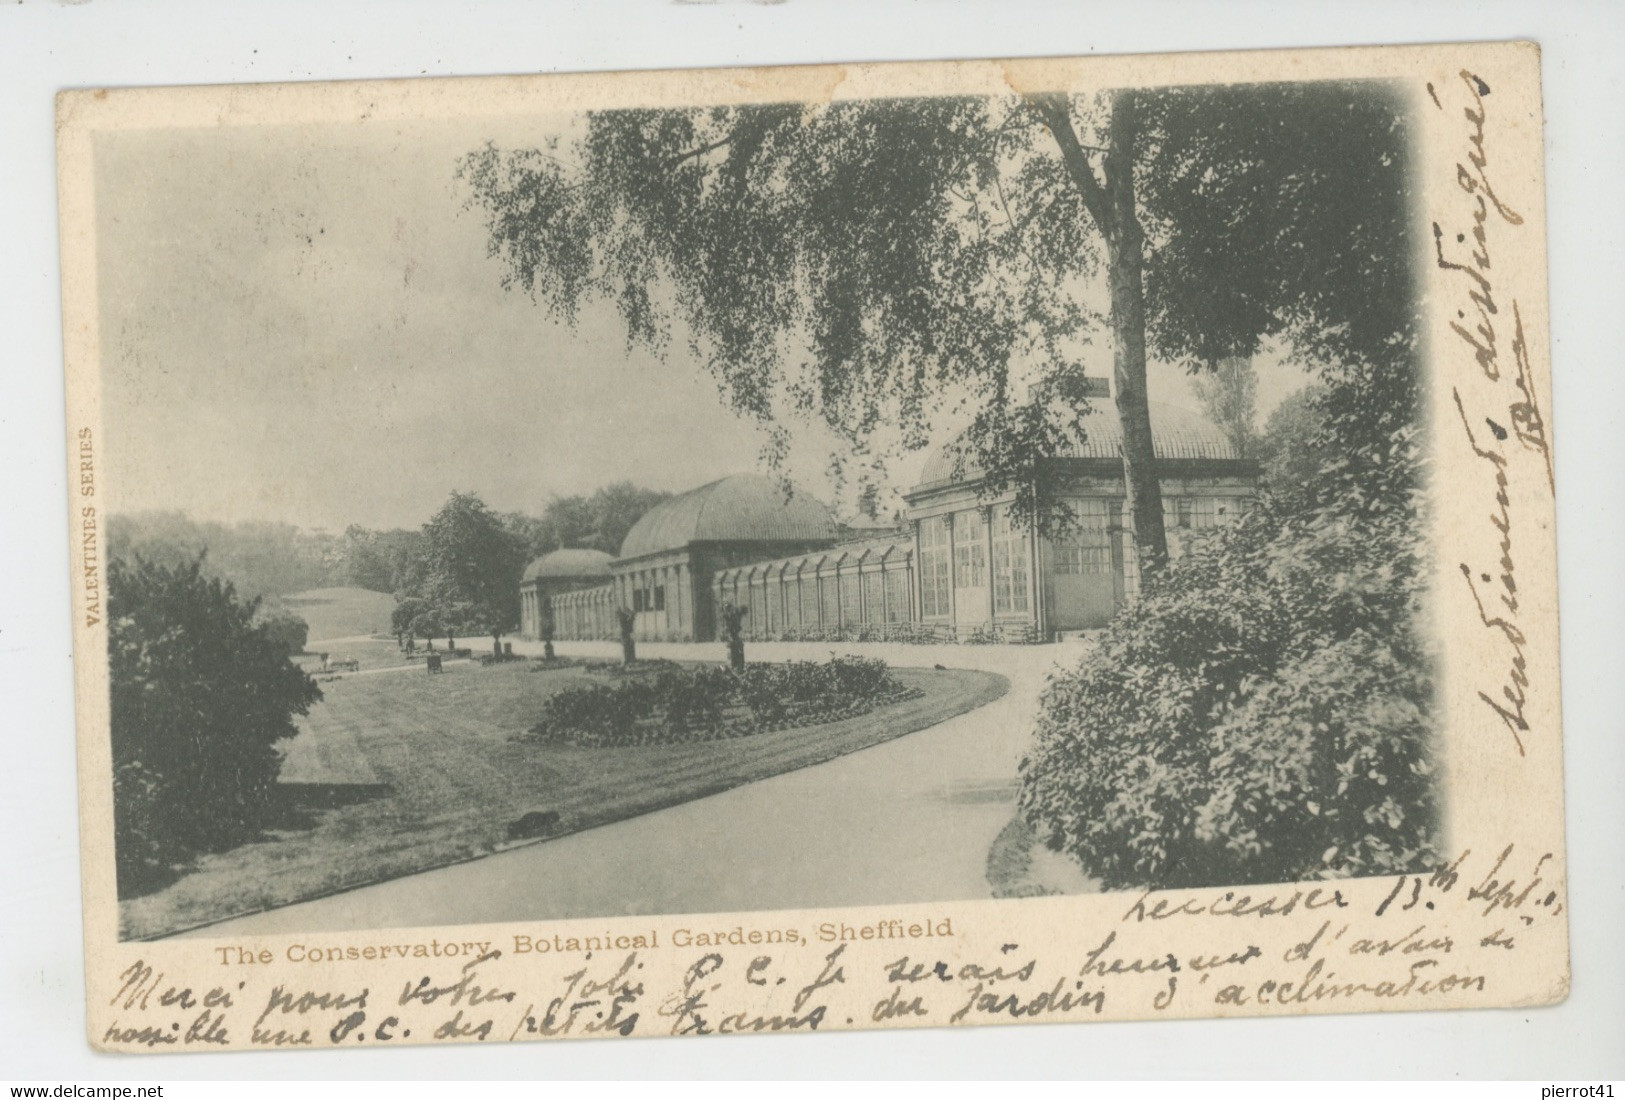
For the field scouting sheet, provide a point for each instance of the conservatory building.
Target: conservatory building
(561, 584)
(664, 572)
(960, 567)
(982, 575)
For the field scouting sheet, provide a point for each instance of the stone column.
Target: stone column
(916, 589)
(992, 585)
(1035, 589)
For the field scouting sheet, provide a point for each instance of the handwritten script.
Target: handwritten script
(1494, 395)
(1439, 939)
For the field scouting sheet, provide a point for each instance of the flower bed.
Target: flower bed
(672, 705)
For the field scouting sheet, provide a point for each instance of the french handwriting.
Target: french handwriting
(1500, 411)
(1435, 936)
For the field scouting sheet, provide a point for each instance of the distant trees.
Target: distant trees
(1229, 396)
(270, 559)
(568, 521)
(596, 522)
(408, 621)
(1295, 444)
(278, 559)
(465, 578)
(375, 560)
(199, 696)
(615, 508)
(259, 559)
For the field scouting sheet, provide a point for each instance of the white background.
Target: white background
(45, 47)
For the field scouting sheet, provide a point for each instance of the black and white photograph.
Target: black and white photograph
(557, 516)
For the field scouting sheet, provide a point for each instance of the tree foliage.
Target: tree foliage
(287, 630)
(858, 260)
(1294, 445)
(269, 559)
(200, 695)
(379, 560)
(258, 558)
(596, 522)
(615, 509)
(473, 567)
(1262, 714)
(1229, 396)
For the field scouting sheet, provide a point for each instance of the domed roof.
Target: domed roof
(569, 564)
(1176, 433)
(745, 507)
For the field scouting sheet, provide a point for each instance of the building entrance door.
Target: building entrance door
(1088, 569)
(971, 607)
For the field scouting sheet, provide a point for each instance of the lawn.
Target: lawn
(399, 772)
(341, 612)
(376, 653)
(353, 623)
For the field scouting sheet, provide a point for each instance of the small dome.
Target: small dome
(569, 565)
(1176, 433)
(742, 508)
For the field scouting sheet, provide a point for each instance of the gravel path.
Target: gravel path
(909, 820)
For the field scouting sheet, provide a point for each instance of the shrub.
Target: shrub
(693, 699)
(859, 677)
(199, 696)
(1261, 714)
(287, 630)
(675, 704)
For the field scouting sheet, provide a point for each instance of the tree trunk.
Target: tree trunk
(1125, 251)
(1110, 202)
(496, 646)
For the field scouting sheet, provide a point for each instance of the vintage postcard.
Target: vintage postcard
(787, 550)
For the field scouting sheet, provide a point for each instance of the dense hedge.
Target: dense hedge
(1263, 712)
(671, 704)
(200, 695)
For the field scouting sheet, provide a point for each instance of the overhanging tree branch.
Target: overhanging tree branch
(1056, 112)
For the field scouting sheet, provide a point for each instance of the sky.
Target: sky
(302, 324)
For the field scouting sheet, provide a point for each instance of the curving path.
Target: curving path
(910, 820)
